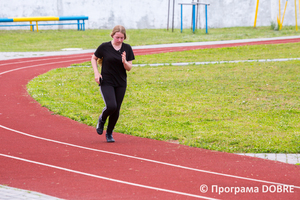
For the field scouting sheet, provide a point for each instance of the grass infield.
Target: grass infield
(235, 107)
(55, 40)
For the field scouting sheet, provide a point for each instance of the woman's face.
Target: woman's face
(118, 38)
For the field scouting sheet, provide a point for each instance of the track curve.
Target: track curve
(54, 155)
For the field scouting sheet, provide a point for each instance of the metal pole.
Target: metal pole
(279, 17)
(206, 17)
(194, 18)
(279, 10)
(296, 15)
(37, 27)
(197, 14)
(168, 15)
(173, 16)
(256, 13)
(181, 19)
(283, 14)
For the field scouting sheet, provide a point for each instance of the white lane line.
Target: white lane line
(215, 62)
(45, 59)
(16, 69)
(145, 159)
(106, 178)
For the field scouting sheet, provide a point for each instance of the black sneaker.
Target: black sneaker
(100, 127)
(109, 137)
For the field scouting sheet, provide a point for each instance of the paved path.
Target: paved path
(160, 47)
(53, 155)
(10, 193)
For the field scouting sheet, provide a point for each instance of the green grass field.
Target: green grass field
(240, 107)
(248, 107)
(55, 40)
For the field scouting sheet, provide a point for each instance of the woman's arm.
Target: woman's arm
(127, 64)
(95, 68)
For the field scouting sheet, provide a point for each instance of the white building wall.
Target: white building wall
(141, 14)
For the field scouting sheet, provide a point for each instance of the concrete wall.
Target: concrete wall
(140, 14)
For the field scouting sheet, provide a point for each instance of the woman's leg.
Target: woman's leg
(109, 98)
(114, 116)
(113, 98)
(110, 105)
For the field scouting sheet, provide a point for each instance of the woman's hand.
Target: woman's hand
(127, 64)
(124, 57)
(97, 78)
(95, 68)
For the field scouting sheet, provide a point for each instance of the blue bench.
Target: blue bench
(80, 21)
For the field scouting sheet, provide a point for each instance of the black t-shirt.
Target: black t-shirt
(113, 71)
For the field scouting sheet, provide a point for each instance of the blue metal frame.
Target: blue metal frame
(194, 18)
(206, 18)
(194, 15)
(181, 18)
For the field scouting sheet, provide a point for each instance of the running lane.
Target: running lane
(56, 156)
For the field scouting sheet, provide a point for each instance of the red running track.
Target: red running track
(56, 156)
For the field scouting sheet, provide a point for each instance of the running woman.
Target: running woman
(116, 58)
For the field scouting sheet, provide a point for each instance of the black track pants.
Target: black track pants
(113, 98)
